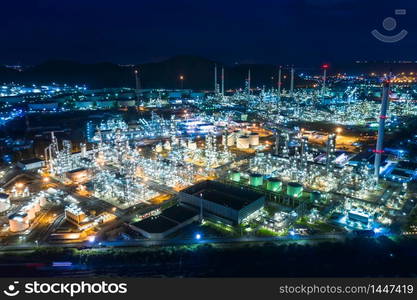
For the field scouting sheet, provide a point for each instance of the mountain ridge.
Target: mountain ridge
(198, 73)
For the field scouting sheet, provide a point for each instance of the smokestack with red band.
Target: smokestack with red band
(381, 128)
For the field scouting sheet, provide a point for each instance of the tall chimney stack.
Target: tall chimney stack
(215, 79)
(222, 81)
(381, 128)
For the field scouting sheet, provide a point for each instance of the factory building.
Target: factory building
(74, 214)
(169, 221)
(84, 105)
(403, 171)
(78, 175)
(45, 106)
(358, 216)
(222, 202)
(126, 103)
(31, 164)
(105, 104)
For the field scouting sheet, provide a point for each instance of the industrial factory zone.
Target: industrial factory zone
(178, 167)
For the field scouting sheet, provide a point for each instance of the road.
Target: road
(179, 242)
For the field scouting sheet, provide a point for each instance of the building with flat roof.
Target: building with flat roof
(74, 214)
(31, 164)
(78, 175)
(169, 221)
(222, 202)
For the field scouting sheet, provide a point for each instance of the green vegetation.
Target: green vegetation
(320, 226)
(224, 229)
(266, 232)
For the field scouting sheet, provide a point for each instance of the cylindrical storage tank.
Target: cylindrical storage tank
(231, 139)
(42, 201)
(192, 145)
(158, 148)
(235, 176)
(242, 142)
(274, 185)
(83, 150)
(315, 196)
(256, 179)
(294, 189)
(30, 211)
(18, 222)
(36, 205)
(254, 139)
(4, 202)
(224, 139)
(167, 146)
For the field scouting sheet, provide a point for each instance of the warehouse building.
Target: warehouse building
(226, 203)
(31, 164)
(169, 221)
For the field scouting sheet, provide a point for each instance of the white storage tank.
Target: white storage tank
(167, 146)
(224, 139)
(254, 139)
(30, 211)
(18, 222)
(42, 201)
(158, 148)
(36, 205)
(83, 150)
(4, 202)
(192, 145)
(231, 139)
(242, 142)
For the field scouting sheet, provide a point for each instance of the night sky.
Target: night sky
(258, 31)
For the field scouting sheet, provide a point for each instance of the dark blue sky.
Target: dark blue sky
(258, 31)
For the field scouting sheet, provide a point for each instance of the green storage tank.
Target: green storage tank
(235, 176)
(294, 189)
(274, 185)
(256, 179)
(315, 196)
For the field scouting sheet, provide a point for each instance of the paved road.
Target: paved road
(176, 242)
